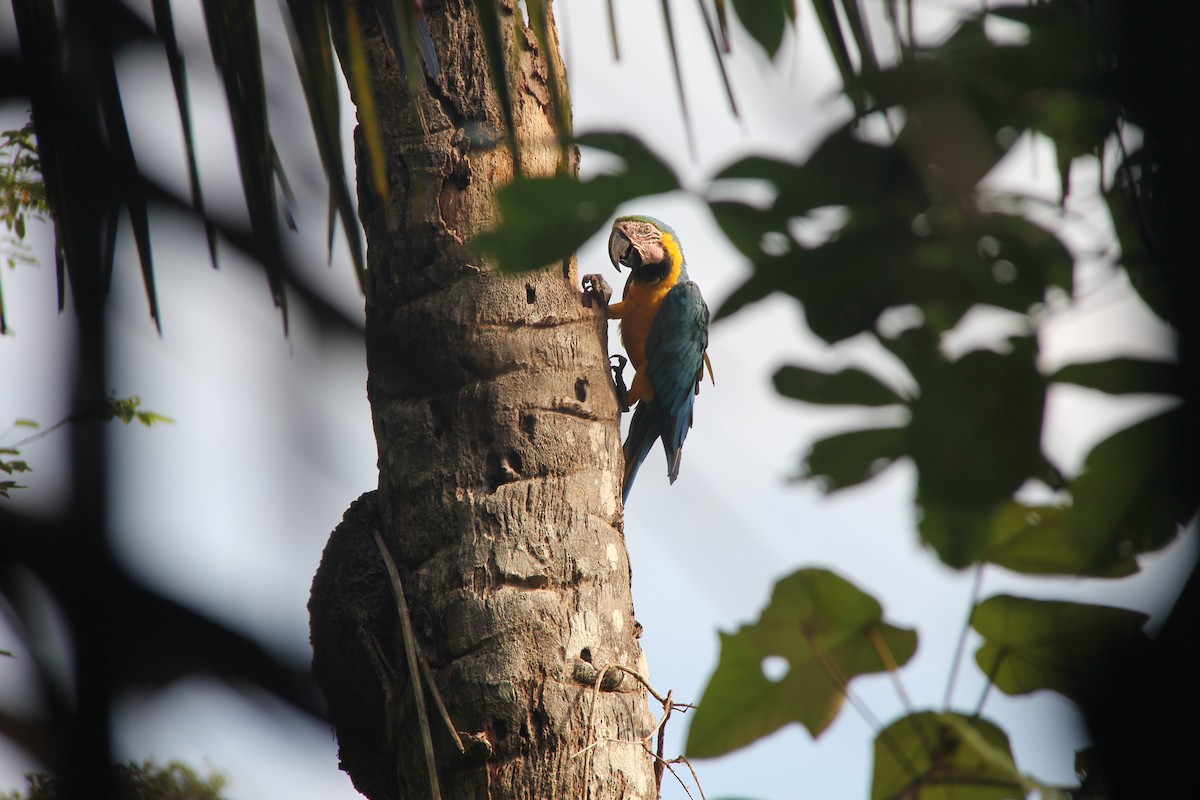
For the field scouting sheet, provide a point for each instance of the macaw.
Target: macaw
(664, 327)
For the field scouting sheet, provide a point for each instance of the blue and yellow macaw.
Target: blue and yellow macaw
(664, 327)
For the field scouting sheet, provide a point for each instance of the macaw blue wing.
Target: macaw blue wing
(675, 346)
(675, 349)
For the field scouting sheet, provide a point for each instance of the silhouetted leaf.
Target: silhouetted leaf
(765, 20)
(679, 91)
(745, 225)
(828, 631)
(718, 37)
(945, 756)
(1048, 644)
(546, 219)
(1123, 376)
(827, 16)
(165, 27)
(852, 387)
(848, 459)
(975, 438)
(1136, 214)
(1136, 490)
(233, 39)
(314, 63)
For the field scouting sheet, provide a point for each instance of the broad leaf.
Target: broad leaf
(849, 387)
(848, 459)
(547, 219)
(1135, 492)
(1048, 644)
(945, 756)
(1034, 540)
(828, 631)
(1123, 376)
(975, 438)
(766, 21)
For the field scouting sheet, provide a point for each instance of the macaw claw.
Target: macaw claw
(618, 373)
(597, 289)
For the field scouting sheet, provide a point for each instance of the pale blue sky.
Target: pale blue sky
(229, 508)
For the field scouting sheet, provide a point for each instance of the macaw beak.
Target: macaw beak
(618, 247)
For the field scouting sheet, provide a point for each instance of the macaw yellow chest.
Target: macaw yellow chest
(641, 305)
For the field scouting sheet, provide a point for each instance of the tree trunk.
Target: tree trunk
(499, 471)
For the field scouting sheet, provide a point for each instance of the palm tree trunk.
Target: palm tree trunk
(499, 471)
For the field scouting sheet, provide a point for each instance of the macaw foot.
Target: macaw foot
(618, 372)
(597, 289)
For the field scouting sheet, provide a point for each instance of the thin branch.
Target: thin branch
(889, 661)
(695, 777)
(991, 680)
(952, 678)
(675, 774)
(662, 735)
(839, 680)
(414, 671)
(441, 703)
(668, 705)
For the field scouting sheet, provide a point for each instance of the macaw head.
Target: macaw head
(637, 241)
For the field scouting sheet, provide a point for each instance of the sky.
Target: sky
(228, 509)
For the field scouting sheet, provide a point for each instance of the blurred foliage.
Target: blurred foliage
(145, 781)
(22, 196)
(827, 630)
(126, 409)
(918, 234)
(1047, 644)
(947, 756)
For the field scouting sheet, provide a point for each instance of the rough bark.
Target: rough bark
(499, 472)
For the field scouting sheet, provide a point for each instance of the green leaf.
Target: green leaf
(765, 20)
(828, 631)
(1034, 540)
(945, 756)
(164, 25)
(642, 164)
(233, 38)
(1136, 490)
(848, 459)
(975, 437)
(1123, 376)
(546, 219)
(312, 49)
(1048, 644)
(148, 418)
(745, 225)
(127, 409)
(851, 387)
(27, 423)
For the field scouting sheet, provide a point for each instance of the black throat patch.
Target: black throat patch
(652, 273)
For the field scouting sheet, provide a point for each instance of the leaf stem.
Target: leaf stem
(952, 678)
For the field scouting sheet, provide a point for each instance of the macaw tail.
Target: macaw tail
(649, 424)
(644, 430)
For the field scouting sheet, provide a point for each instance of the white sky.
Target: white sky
(229, 508)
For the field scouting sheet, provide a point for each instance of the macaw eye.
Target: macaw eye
(647, 227)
